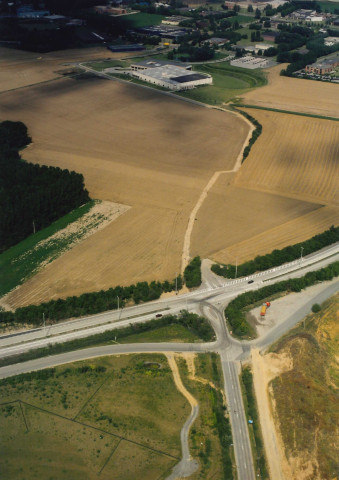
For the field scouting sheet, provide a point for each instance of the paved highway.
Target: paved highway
(209, 300)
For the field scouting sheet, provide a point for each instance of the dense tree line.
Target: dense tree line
(193, 322)
(316, 48)
(256, 133)
(222, 424)
(90, 303)
(278, 257)
(234, 312)
(31, 196)
(247, 380)
(192, 273)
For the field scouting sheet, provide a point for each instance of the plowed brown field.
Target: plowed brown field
(297, 95)
(137, 147)
(19, 69)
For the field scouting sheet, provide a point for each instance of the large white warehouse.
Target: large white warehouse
(172, 77)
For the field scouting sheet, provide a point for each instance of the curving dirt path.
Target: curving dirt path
(185, 258)
(187, 465)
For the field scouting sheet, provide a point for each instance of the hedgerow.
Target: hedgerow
(234, 311)
(278, 257)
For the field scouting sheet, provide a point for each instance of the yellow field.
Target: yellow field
(156, 154)
(295, 94)
(295, 156)
(285, 192)
(137, 147)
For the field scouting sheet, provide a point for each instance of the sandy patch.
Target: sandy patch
(266, 369)
(284, 307)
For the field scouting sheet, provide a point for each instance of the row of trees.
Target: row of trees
(256, 133)
(247, 380)
(278, 257)
(31, 196)
(90, 303)
(192, 273)
(235, 314)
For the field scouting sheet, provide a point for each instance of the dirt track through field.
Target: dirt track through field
(135, 147)
(185, 259)
(187, 466)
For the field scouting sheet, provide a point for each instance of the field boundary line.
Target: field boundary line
(23, 415)
(110, 456)
(289, 112)
(99, 430)
(91, 396)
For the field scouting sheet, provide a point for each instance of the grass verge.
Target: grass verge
(197, 327)
(21, 261)
(210, 436)
(228, 82)
(322, 117)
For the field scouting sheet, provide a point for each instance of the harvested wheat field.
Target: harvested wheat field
(135, 147)
(295, 94)
(295, 156)
(285, 192)
(232, 216)
(280, 236)
(20, 69)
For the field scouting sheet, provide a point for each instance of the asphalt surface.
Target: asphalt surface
(210, 300)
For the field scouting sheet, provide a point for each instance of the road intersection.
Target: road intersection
(209, 301)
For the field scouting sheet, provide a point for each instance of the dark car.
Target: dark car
(250, 281)
(158, 315)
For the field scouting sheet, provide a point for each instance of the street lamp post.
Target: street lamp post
(301, 254)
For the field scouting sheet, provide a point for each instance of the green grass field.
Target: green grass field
(20, 262)
(228, 82)
(329, 6)
(170, 333)
(116, 418)
(139, 20)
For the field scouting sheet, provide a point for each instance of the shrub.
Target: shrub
(316, 308)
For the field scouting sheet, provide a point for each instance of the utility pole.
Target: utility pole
(301, 254)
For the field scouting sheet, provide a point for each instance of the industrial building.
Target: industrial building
(154, 63)
(172, 77)
(325, 66)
